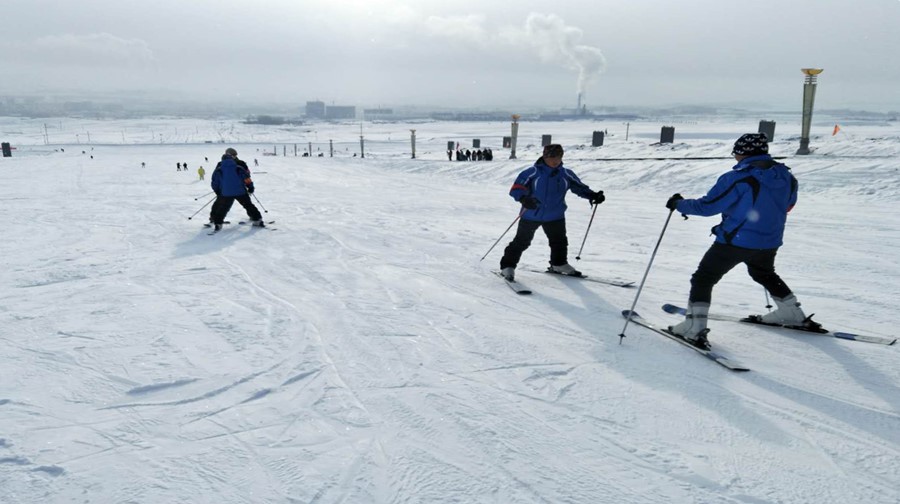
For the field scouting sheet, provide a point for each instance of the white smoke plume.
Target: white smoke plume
(555, 42)
(548, 36)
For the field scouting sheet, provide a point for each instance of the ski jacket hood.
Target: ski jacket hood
(754, 199)
(549, 186)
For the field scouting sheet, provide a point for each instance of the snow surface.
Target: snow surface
(361, 353)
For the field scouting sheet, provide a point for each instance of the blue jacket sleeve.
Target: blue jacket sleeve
(577, 186)
(722, 196)
(216, 181)
(794, 189)
(522, 185)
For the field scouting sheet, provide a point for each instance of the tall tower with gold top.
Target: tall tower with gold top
(809, 97)
(514, 135)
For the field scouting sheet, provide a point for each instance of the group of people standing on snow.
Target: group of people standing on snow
(473, 155)
(754, 199)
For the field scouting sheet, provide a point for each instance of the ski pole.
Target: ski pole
(501, 236)
(201, 208)
(260, 203)
(203, 195)
(578, 257)
(652, 256)
(768, 302)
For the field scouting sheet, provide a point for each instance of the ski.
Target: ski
(250, 223)
(209, 224)
(881, 340)
(517, 287)
(712, 355)
(615, 283)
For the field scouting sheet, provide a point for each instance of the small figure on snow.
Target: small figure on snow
(231, 181)
(201, 172)
(178, 166)
(754, 199)
(541, 190)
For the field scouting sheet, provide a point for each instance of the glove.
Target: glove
(529, 202)
(250, 188)
(673, 201)
(597, 198)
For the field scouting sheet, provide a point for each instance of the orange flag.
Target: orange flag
(836, 129)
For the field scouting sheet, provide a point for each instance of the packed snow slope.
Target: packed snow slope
(362, 353)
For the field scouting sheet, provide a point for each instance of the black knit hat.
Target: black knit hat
(751, 144)
(553, 151)
(231, 152)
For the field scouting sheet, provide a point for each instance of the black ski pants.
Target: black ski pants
(721, 258)
(556, 235)
(223, 204)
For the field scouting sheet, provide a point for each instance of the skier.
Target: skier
(754, 199)
(178, 165)
(541, 190)
(231, 181)
(201, 172)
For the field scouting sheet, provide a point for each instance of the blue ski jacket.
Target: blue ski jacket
(754, 199)
(231, 177)
(549, 186)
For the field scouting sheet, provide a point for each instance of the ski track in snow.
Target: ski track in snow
(364, 354)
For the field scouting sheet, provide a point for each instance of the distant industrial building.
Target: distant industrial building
(378, 113)
(315, 109)
(340, 112)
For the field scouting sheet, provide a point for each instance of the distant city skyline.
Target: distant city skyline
(372, 53)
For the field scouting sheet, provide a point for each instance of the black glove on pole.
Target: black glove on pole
(529, 202)
(672, 203)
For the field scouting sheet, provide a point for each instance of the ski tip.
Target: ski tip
(630, 314)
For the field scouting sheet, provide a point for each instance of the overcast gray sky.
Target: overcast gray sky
(478, 53)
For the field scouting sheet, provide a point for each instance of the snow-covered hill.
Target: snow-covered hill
(361, 353)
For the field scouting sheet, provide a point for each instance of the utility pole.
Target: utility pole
(362, 143)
